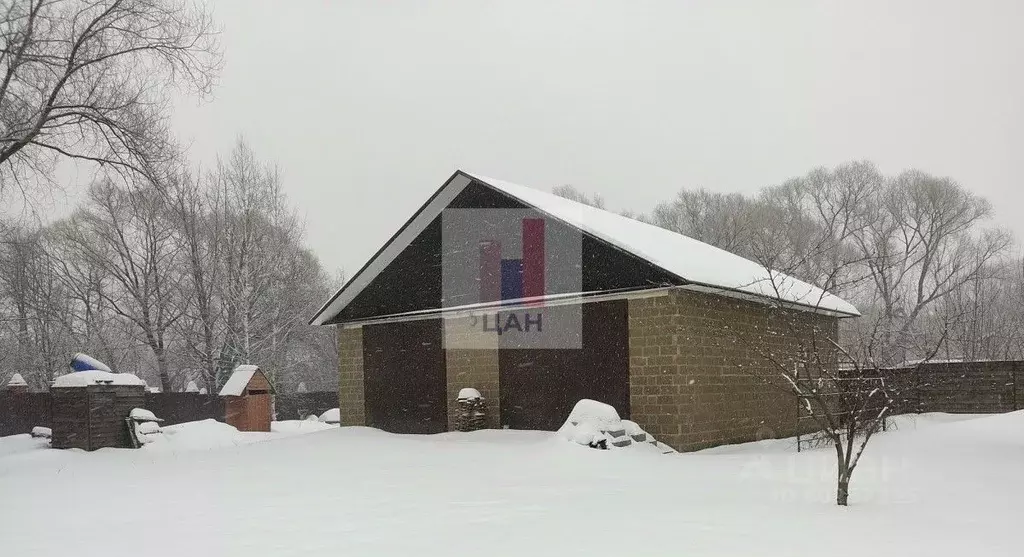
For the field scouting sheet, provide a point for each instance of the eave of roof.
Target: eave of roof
(604, 226)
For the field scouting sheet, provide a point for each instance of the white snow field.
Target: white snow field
(939, 485)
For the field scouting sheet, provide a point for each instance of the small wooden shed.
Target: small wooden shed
(248, 400)
(89, 409)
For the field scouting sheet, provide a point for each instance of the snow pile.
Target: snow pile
(332, 416)
(597, 425)
(298, 427)
(42, 432)
(96, 377)
(142, 415)
(201, 435)
(469, 393)
(17, 381)
(85, 362)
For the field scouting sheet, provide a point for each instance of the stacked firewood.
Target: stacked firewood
(472, 414)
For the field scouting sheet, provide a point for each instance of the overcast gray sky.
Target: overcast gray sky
(368, 106)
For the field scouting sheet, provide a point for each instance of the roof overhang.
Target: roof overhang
(439, 201)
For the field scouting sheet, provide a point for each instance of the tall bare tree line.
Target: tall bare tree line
(178, 281)
(916, 253)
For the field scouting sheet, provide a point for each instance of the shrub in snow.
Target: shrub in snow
(472, 414)
(202, 391)
(597, 425)
(301, 388)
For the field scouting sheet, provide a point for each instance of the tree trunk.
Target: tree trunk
(843, 488)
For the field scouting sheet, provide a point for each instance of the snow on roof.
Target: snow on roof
(689, 259)
(96, 377)
(235, 385)
(702, 266)
(17, 381)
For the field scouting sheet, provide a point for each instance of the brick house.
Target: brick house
(666, 329)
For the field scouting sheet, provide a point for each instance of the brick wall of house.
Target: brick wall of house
(697, 378)
(472, 367)
(351, 397)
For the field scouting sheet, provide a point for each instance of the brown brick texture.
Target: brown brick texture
(472, 367)
(351, 395)
(698, 370)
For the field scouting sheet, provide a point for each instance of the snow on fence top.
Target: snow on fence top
(235, 385)
(17, 381)
(96, 377)
(85, 362)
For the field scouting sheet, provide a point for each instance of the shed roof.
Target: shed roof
(699, 265)
(17, 381)
(236, 384)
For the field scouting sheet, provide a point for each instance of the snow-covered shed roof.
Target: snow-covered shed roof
(700, 266)
(96, 377)
(17, 380)
(235, 384)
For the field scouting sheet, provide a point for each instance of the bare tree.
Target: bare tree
(199, 218)
(922, 243)
(130, 236)
(570, 192)
(89, 80)
(722, 220)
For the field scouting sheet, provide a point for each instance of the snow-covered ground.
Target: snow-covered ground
(937, 485)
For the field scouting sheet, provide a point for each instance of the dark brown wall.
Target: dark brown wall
(960, 387)
(93, 417)
(20, 412)
(404, 377)
(412, 282)
(540, 386)
(298, 406)
(177, 408)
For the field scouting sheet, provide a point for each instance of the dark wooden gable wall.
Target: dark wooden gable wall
(412, 282)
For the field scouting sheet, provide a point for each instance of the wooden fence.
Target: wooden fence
(20, 412)
(986, 387)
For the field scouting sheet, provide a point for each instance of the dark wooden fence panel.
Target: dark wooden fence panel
(20, 412)
(969, 387)
(177, 408)
(299, 405)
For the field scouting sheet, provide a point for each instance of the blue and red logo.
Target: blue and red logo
(500, 271)
(514, 278)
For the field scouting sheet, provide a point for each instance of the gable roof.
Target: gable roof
(700, 266)
(236, 384)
